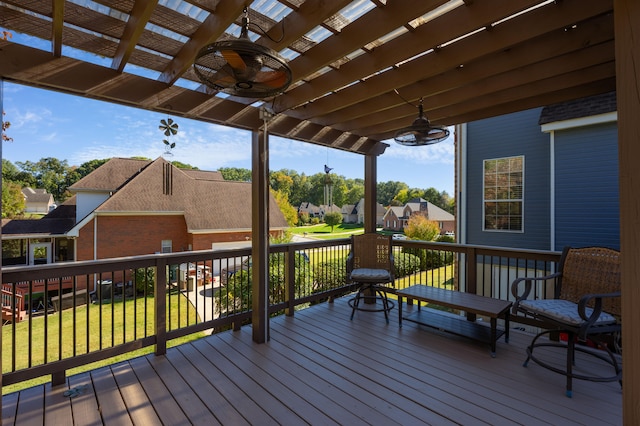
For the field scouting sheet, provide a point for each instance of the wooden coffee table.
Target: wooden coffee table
(470, 303)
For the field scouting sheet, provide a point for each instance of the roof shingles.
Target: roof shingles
(207, 204)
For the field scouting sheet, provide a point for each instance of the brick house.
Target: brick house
(131, 207)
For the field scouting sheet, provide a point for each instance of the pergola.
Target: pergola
(355, 64)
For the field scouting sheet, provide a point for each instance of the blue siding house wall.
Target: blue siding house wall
(586, 191)
(510, 135)
(570, 194)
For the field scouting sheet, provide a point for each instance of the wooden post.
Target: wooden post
(160, 301)
(260, 236)
(471, 277)
(1, 143)
(627, 33)
(370, 195)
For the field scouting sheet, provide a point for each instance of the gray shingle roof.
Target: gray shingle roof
(36, 195)
(111, 175)
(44, 226)
(207, 204)
(579, 108)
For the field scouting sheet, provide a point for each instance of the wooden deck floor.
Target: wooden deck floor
(321, 368)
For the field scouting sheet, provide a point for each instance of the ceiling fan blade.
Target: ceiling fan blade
(234, 59)
(223, 79)
(272, 78)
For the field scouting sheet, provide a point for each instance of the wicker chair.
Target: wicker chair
(586, 307)
(370, 264)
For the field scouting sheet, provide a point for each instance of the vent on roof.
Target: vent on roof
(167, 179)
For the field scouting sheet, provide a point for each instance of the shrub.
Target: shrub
(406, 264)
(330, 274)
(430, 259)
(236, 295)
(145, 279)
(303, 218)
(445, 239)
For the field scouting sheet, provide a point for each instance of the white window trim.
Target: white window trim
(484, 201)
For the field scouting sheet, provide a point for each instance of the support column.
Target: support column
(627, 33)
(260, 235)
(370, 192)
(1, 143)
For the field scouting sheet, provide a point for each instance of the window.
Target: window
(503, 193)
(167, 246)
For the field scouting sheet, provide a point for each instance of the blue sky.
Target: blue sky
(51, 124)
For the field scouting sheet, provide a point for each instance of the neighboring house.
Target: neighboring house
(355, 213)
(542, 178)
(37, 200)
(392, 219)
(310, 209)
(396, 218)
(349, 213)
(39, 241)
(131, 207)
(324, 209)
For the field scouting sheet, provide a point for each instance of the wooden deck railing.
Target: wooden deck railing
(116, 306)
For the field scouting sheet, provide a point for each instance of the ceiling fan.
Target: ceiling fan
(243, 68)
(421, 132)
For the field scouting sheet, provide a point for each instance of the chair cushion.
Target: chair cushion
(564, 311)
(370, 275)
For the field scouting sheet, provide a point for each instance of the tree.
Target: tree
(387, 191)
(185, 166)
(355, 193)
(235, 174)
(281, 182)
(13, 203)
(420, 228)
(9, 170)
(290, 214)
(50, 174)
(332, 219)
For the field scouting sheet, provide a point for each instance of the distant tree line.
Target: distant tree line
(300, 188)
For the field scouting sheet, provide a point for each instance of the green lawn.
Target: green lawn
(324, 232)
(129, 322)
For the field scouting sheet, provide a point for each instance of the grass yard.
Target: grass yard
(323, 231)
(128, 319)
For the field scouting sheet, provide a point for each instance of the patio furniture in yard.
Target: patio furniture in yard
(586, 309)
(370, 264)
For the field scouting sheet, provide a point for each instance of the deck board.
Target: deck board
(57, 406)
(230, 390)
(164, 403)
(133, 395)
(84, 404)
(110, 403)
(321, 368)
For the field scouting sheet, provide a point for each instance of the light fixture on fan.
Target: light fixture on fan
(241, 67)
(421, 132)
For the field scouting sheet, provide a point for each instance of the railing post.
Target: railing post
(471, 273)
(290, 280)
(58, 378)
(160, 303)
